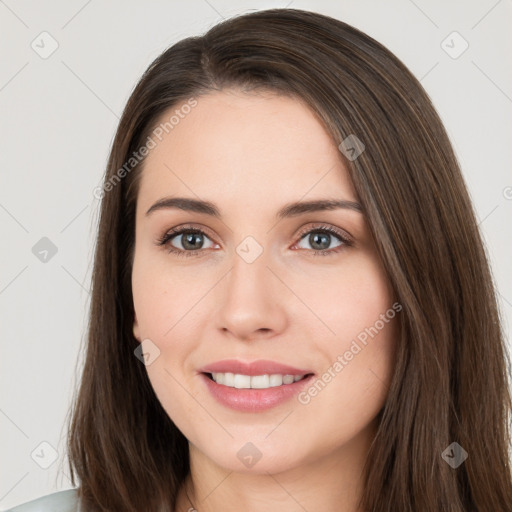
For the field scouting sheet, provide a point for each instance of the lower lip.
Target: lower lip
(254, 400)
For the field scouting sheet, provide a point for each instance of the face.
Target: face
(304, 289)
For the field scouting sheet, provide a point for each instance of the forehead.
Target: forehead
(252, 147)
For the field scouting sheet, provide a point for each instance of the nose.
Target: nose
(252, 301)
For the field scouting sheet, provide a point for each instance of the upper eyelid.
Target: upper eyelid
(344, 235)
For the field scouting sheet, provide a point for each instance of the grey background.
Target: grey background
(58, 118)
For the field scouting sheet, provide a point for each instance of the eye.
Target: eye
(185, 241)
(189, 241)
(320, 239)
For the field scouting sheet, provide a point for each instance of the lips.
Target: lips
(246, 399)
(260, 367)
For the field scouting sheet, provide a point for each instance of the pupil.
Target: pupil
(191, 239)
(317, 239)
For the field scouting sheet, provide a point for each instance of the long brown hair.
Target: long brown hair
(451, 381)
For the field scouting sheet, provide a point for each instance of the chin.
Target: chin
(242, 455)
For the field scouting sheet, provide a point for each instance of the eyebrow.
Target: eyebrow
(289, 210)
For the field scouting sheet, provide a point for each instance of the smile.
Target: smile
(240, 381)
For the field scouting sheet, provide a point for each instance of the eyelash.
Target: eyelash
(165, 239)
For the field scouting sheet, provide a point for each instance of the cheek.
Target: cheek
(164, 304)
(355, 384)
(161, 307)
(367, 330)
(160, 297)
(349, 298)
(357, 305)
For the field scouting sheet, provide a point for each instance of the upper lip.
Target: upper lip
(260, 367)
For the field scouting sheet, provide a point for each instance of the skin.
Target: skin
(250, 154)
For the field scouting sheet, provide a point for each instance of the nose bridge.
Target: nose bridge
(249, 269)
(251, 300)
(250, 250)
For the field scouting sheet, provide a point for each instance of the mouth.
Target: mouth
(254, 393)
(264, 381)
(253, 386)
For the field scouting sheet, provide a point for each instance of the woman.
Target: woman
(229, 366)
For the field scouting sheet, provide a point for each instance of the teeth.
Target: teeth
(275, 380)
(287, 379)
(259, 381)
(236, 380)
(241, 381)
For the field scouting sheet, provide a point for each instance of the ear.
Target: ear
(136, 331)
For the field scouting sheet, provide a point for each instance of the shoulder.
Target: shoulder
(62, 501)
